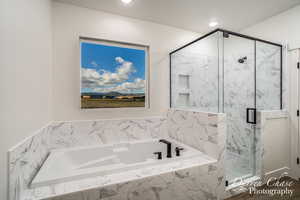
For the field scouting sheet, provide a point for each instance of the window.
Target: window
(113, 74)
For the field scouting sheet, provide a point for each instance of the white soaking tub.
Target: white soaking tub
(76, 163)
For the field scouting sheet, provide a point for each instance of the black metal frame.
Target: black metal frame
(235, 34)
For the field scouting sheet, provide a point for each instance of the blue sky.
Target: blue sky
(109, 68)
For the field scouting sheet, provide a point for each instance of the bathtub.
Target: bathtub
(77, 163)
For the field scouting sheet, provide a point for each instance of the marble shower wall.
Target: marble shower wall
(239, 94)
(268, 74)
(26, 158)
(260, 151)
(197, 71)
(194, 74)
(254, 82)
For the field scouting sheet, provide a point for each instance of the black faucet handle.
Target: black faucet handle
(178, 150)
(159, 155)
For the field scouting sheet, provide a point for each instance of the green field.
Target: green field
(111, 103)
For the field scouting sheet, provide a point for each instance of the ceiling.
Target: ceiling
(193, 15)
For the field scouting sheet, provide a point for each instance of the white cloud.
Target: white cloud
(124, 69)
(127, 87)
(138, 84)
(92, 78)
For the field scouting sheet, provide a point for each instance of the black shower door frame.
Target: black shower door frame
(226, 32)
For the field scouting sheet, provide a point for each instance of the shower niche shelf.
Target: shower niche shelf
(183, 99)
(184, 81)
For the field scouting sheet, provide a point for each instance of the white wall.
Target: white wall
(283, 28)
(70, 22)
(25, 73)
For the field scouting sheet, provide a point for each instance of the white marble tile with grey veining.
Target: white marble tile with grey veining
(203, 131)
(198, 129)
(199, 64)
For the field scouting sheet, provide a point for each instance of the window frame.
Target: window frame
(146, 48)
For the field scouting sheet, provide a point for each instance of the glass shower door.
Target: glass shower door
(239, 106)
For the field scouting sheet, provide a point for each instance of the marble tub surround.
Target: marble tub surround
(24, 161)
(63, 165)
(167, 181)
(192, 183)
(82, 133)
(204, 131)
(26, 158)
(198, 178)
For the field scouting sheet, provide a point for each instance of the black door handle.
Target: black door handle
(251, 115)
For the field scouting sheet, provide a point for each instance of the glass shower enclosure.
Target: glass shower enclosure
(229, 73)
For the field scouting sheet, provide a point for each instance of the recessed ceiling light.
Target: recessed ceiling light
(126, 1)
(213, 24)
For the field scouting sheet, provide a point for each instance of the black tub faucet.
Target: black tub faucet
(178, 150)
(169, 147)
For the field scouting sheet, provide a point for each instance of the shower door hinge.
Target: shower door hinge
(298, 65)
(225, 34)
(297, 113)
(298, 161)
(226, 183)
